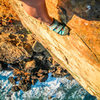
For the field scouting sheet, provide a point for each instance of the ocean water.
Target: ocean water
(51, 89)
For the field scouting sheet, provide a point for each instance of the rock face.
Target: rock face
(85, 21)
(14, 48)
(16, 36)
(78, 52)
(73, 52)
(15, 42)
(83, 17)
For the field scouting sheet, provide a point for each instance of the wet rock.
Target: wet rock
(32, 82)
(33, 77)
(23, 77)
(35, 69)
(17, 73)
(28, 78)
(58, 71)
(30, 64)
(25, 87)
(18, 78)
(39, 75)
(12, 80)
(15, 89)
(43, 78)
(22, 82)
(52, 69)
(45, 72)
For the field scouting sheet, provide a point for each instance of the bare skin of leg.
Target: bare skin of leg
(37, 9)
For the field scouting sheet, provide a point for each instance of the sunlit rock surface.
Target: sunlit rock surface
(83, 18)
(15, 41)
(85, 23)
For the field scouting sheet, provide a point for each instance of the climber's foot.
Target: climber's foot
(59, 28)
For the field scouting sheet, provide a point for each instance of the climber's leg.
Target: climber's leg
(37, 9)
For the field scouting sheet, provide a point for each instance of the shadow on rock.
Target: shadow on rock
(86, 9)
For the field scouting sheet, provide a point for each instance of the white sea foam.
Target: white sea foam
(53, 88)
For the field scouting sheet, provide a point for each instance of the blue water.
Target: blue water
(51, 89)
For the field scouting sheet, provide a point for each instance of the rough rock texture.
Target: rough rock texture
(87, 9)
(78, 52)
(72, 52)
(83, 17)
(15, 41)
(87, 22)
(27, 73)
(15, 48)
